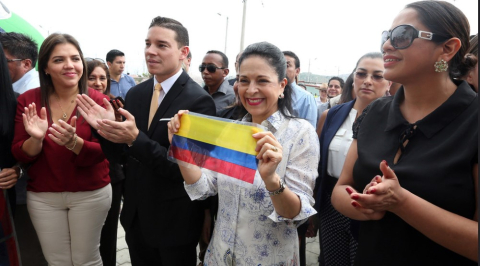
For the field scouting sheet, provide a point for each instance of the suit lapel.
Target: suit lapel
(168, 100)
(143, 105)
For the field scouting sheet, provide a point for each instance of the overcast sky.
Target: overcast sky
(330, 35)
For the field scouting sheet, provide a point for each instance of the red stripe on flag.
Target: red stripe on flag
(233, 170)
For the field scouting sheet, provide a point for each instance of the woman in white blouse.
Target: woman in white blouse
(257, 224)
(337, 235)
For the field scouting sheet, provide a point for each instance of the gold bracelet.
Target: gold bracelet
(74, 143)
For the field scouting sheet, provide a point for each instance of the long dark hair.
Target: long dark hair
(8, 103)
(275, 59)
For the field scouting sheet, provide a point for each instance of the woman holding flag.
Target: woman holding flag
(257, 222)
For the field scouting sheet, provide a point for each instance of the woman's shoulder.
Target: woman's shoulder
(97, 96)
(31, 95)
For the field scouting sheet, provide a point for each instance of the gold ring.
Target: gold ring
(274, 148)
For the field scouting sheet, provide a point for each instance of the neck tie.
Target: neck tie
(154, 103)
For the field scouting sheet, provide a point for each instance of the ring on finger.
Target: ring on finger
(273, 148)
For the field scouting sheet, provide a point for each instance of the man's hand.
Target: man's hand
(119, 132)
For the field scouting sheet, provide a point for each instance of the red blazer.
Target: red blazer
(56, 169)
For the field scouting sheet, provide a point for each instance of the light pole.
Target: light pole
(226, 34)
(310, 74)
(242, 38)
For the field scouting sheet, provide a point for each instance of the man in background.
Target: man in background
(214, 69)
(120, 83)
(303, 102)
(21, 52)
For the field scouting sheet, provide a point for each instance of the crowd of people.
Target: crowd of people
(383, 167)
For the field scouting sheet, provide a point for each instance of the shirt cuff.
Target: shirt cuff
(198, 190)
(306, 211)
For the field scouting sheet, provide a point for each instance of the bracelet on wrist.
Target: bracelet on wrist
(74, 143)
(278, 191)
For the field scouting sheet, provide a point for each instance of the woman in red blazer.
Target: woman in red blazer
(69, 192)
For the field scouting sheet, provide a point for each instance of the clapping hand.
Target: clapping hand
(92, 112)
(36, 126)
(63, 133)
(381, 195)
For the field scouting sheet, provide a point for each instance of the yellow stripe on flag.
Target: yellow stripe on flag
(219, 133)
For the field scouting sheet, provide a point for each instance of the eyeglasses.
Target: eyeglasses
(88, 59)
(14, 60)
(210, 68)
(364, 75)
(402, 36)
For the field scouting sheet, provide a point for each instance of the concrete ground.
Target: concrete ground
(123, 258)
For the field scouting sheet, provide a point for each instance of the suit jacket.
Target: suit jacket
(335, 118)
(154, 193)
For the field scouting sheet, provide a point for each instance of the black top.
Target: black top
(436, 165)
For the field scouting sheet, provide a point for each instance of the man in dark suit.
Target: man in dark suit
(162, 224)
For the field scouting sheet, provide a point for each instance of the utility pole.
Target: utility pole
(242, 39)
(226, 34)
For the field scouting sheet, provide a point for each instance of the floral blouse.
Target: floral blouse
(248, 231)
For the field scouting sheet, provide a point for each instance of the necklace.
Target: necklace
(64, 116)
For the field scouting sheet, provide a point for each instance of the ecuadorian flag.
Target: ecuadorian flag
(220, 145)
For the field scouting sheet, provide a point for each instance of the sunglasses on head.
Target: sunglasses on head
(402, 36)
(210, 68)
(88, 59)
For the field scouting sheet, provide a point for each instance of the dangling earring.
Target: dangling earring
(281, 96)
(441, 66)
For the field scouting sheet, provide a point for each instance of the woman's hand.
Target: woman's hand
(386, 195)
(174, 124)
(92, 112)
(269, 155)
(63, 133)
(35, 125)
(8, 178)
(116, 105)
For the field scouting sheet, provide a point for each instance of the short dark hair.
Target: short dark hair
(189, 55)
(20, 46)
(113, 54)
(277, 61)
(342, 83)
(224, 57)
(180, 31)
(91, 65)
(292, 54)
(445, 19)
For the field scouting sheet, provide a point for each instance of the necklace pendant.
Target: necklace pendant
(64, 116)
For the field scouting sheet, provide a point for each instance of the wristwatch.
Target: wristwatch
(278, 191)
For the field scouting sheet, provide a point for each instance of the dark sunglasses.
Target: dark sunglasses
(210, 68)
(364, 75)
(402, 36)
(88, 59)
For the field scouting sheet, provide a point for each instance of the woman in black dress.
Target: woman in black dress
(422, 209)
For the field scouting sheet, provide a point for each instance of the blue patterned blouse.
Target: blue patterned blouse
(248, 231)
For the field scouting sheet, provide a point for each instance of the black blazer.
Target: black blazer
(335, 118)
(154, 194)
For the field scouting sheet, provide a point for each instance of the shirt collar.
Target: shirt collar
(440, 117)
(272, 123)
(222, 89)
(168, 83)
